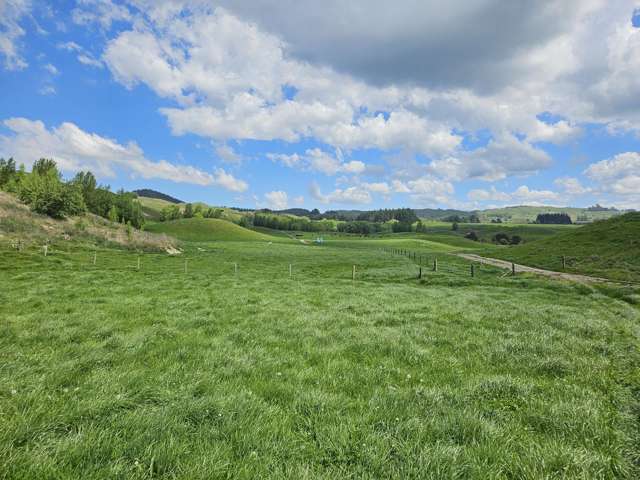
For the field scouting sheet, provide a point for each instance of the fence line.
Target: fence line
(116, 260)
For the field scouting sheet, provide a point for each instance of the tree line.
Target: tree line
(174, 212)
(554, 219)
(268, 219)
(46, 192)
(286, 222)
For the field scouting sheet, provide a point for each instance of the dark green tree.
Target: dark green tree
(188, 211)
(7, 171)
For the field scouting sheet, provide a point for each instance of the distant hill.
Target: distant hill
(206, 229)
(299, 212)
(153, 202)
(528, 214)
(146, 192)
(439, 213)
(605, 248)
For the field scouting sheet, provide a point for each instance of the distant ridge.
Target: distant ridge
(146, 192)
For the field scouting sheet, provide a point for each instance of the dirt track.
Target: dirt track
(523, 268)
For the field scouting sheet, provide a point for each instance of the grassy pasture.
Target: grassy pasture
(111, 372)
(486, 231)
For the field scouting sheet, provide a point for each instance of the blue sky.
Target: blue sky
(319, 104)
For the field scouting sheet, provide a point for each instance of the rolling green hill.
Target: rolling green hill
(152, 207)
(527, 214)
(607, 248)
(206, 229)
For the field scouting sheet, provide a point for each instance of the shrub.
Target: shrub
(45, 193)
(472, 236)
(501, 238)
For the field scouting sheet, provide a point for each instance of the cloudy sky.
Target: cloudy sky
(331, 104)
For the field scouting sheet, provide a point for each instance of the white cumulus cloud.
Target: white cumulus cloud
(75, 149)
(277, 200)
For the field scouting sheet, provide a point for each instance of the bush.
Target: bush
(501, 238)
(472, 236)
(45, 193)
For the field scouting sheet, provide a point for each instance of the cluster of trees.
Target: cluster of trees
(45, 191)
(268, 219)
(286, 222)
(599, 208)
(362, 227)
(402, 215)
(554, 218)
(421, 227)
(174, 212)
(473, 218)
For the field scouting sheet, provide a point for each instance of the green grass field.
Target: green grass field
(199, 372)
(607, 248)
(206, 229)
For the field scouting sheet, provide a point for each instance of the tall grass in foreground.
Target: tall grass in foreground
(110, 372)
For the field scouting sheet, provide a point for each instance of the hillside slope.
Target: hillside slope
(20, 226)
(151, 207)
(607, 248)
(206, 229)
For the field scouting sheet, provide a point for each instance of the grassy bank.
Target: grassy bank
(607, 248)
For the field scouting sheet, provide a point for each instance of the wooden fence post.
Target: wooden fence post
(435, 264)
(473, 273)
(45, 248)
(95, 257)
(419, 273)
(564, 262)
(353, 273)
(513, 268)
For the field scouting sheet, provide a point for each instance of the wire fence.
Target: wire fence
(359, 264)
